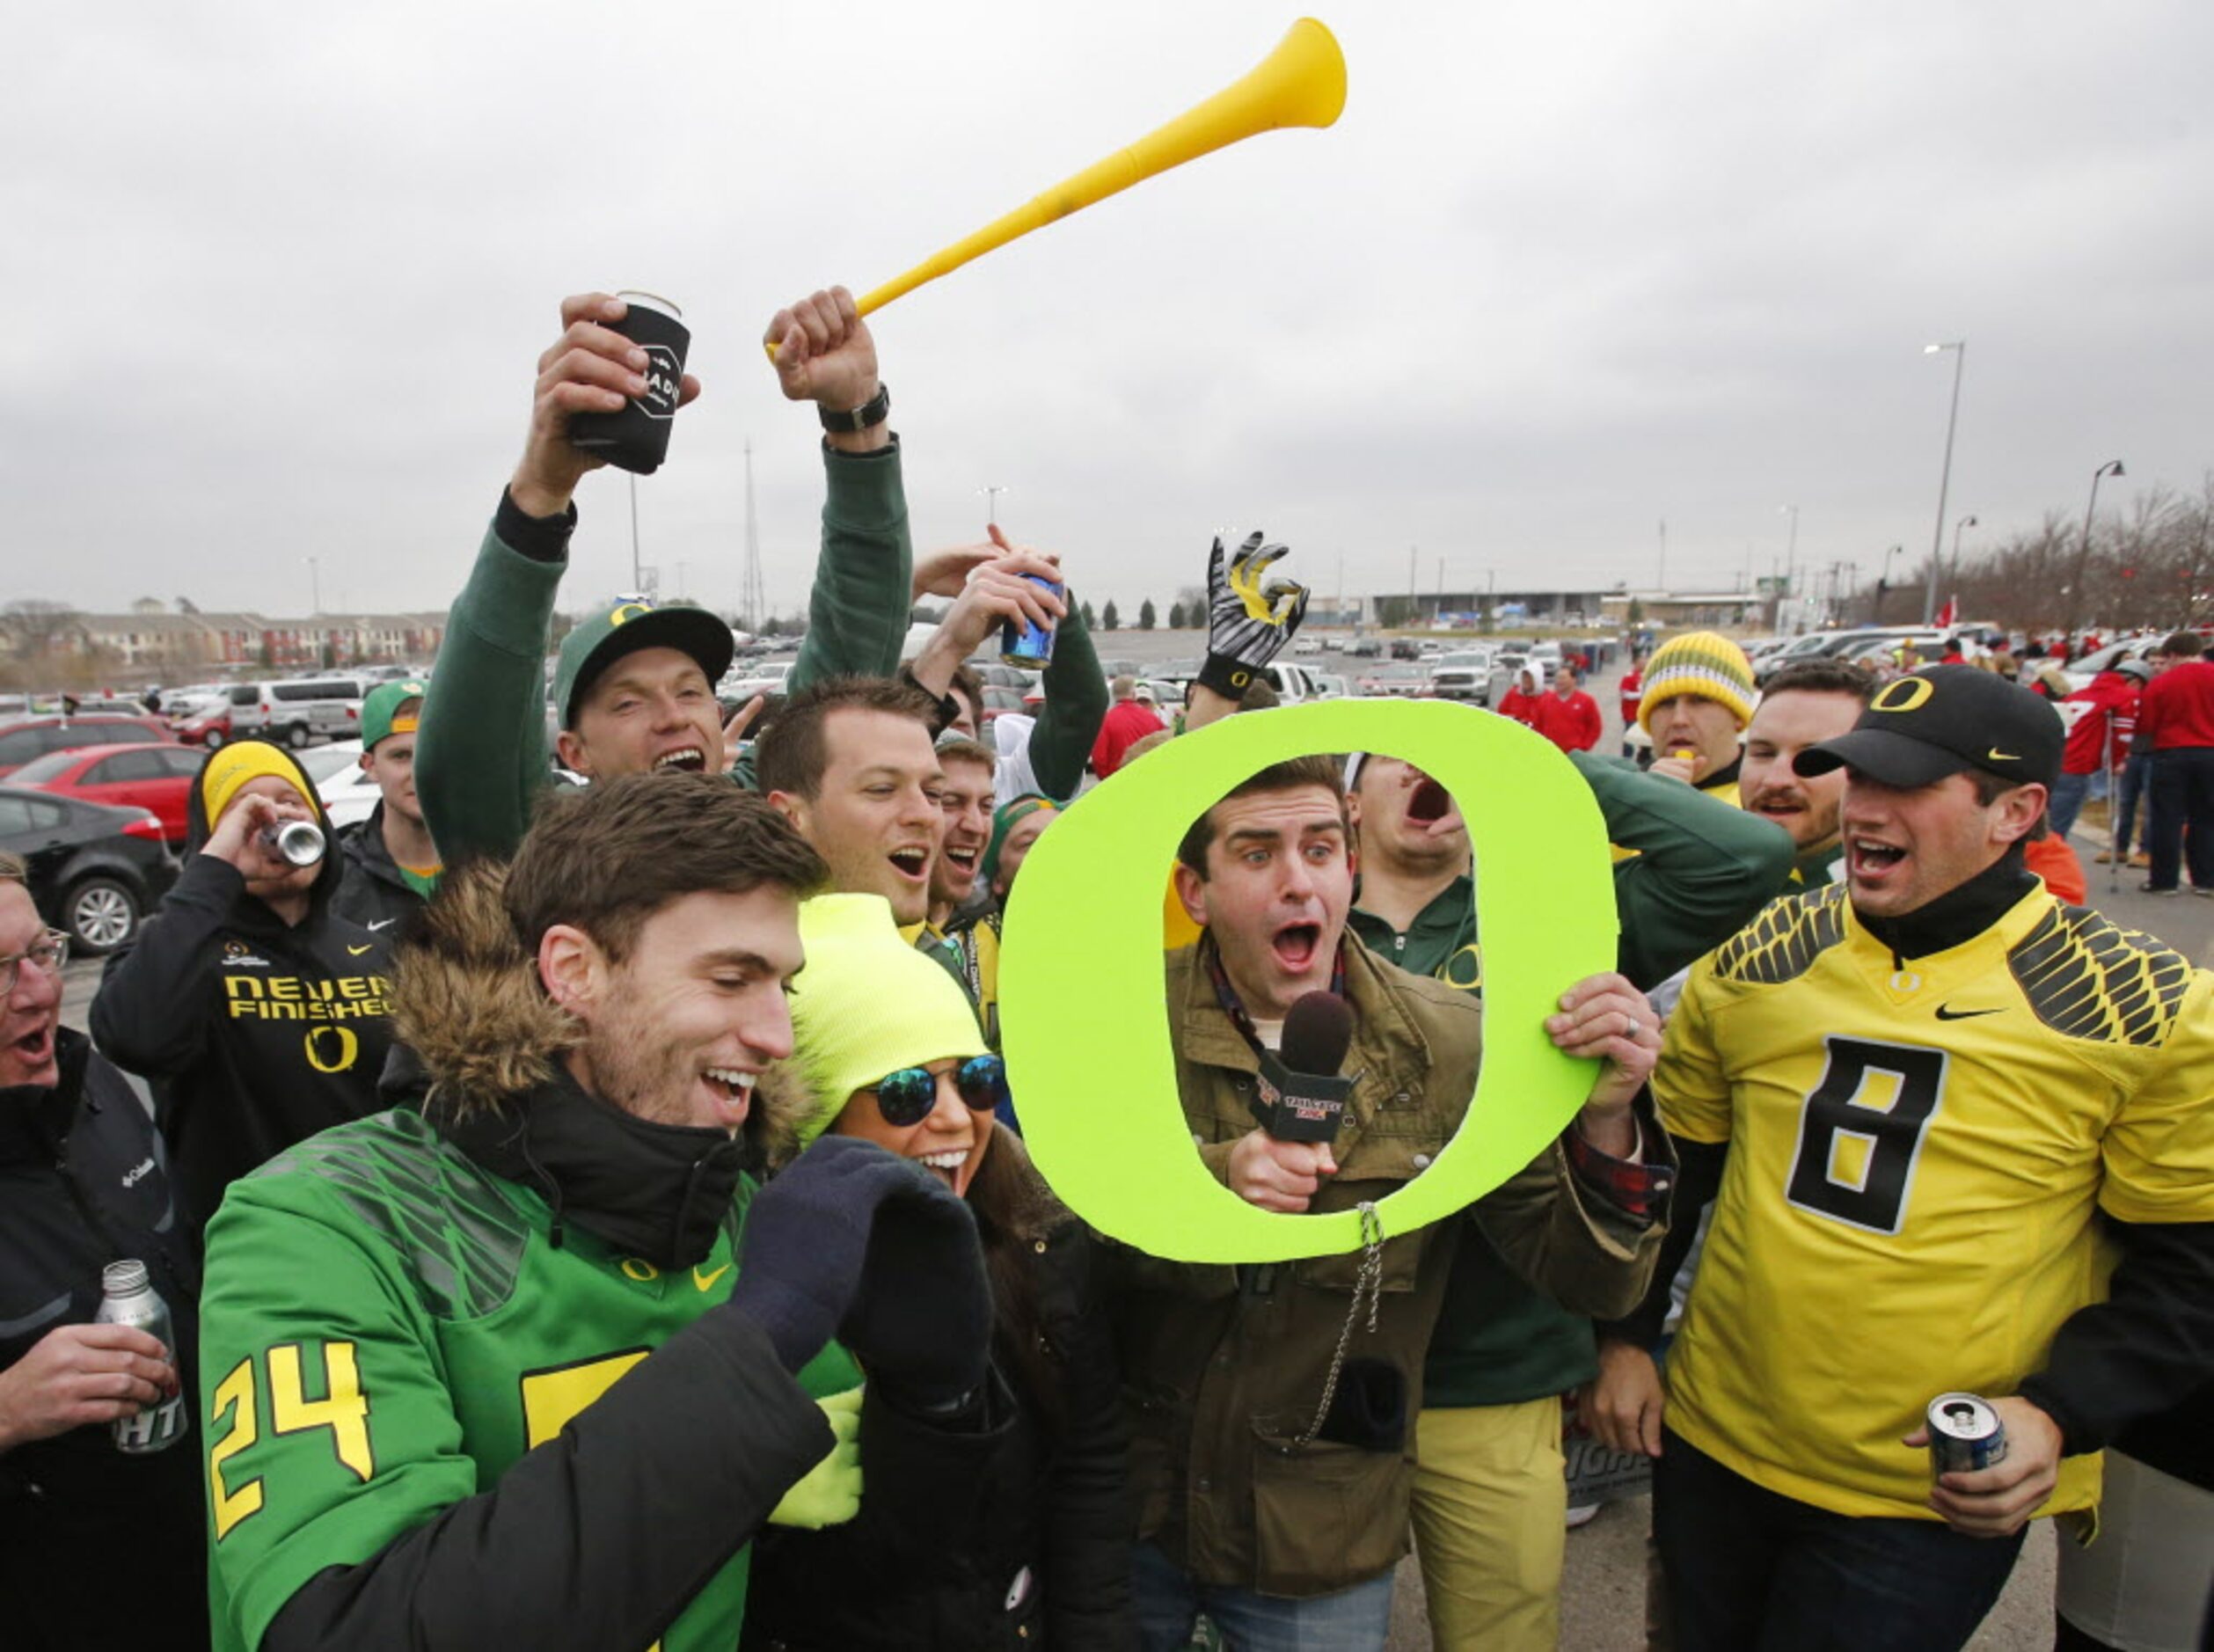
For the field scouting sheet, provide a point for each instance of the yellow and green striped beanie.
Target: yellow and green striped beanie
(1702, 662)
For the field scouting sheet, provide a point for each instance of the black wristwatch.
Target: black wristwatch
(871, 412)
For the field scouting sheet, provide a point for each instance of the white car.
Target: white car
(1306, 645)
(347, 792)
(765, 678)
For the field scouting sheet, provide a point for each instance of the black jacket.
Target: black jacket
(98, 1549)
(256, 1034)
(371, 891)
(1015, 1536)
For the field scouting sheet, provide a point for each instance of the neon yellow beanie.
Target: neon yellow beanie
(868, 1004)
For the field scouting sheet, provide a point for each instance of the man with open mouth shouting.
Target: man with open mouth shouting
(1943, 1098)
(1277, 1516)
(560, 1348)
(634, 690)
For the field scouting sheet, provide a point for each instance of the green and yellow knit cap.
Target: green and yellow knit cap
(868, 1004)
(1003, 820)
(1701, 663)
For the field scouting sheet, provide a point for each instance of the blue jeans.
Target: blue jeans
(1169, 1602)
(2135, 773)
(1749, 1570)
(2068, 794)
(2182, 815)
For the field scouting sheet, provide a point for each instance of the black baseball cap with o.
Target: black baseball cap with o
(1945, 720)
(601, 639)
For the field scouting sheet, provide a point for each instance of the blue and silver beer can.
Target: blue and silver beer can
(1965, 1435)
(1025, 645)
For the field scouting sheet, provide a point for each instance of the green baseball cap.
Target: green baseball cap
(601, 639)
(381, 714)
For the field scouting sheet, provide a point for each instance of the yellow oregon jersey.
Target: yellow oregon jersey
(1915, 1159)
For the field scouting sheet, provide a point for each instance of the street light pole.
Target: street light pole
(1959, 346)
(1965, 522)
(1883, 585)
(1790, 559)
(2112, 467)
(991, 491)
(636, 579)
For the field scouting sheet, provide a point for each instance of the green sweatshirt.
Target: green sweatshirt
(483, 754)
(1702, 870)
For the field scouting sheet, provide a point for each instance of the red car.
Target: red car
(24, 738)
(157, 778)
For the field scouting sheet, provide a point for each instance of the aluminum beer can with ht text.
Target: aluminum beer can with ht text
(1965, 1435)
(129, 1299)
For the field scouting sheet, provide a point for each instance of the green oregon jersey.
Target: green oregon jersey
(385, 1328)
(1916, 1156)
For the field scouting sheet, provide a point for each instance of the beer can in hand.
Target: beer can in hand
(636, 438)
(1965, 1435)
(298, 842)
(1025, 645)
(128, 1297)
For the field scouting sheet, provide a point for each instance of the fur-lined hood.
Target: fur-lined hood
(467, 1001)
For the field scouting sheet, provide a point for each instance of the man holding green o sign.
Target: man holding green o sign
(1272, 1404)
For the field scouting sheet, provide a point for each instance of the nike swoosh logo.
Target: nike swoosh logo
(383, 923)
(1996, 756)
(355, 951)
(708, 1284)
(1946, 1015)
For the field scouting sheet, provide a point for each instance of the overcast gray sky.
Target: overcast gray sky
(283, 273)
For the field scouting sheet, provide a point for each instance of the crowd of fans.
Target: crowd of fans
(598, 1216)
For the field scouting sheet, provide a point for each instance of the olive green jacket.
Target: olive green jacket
(1223, 1367)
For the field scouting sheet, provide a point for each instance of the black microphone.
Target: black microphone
(1299, 1096)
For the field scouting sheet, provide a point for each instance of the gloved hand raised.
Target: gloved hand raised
(809, 1236)
(1249, 616)
(920, 1324)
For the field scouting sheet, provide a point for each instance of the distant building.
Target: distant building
(152, 640)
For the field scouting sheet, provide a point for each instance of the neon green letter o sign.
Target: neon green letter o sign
(1083, 1002)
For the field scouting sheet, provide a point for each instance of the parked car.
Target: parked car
(294, 713)
(998, 700)
(1395, 681)
(1293, 684)
(24, 738)
(1331, 688)
(2106, 659)
(347, 792)
(156, 776)
(94, 871)
(1469, 683)
(199, 720)
(760, 677)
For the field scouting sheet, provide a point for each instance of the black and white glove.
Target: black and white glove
(1249, 616)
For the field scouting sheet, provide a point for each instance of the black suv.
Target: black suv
(95, 872)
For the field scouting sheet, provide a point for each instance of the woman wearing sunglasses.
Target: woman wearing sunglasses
(1009, 1529)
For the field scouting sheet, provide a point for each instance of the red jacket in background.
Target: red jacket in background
(1126, 723)
(2177, 707)
(1632, 689)
(1572, 724)
(1522, 707)
(2100, 736)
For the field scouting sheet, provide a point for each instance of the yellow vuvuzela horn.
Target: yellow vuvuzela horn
(1302, 83)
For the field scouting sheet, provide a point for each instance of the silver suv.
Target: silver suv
(295, 713)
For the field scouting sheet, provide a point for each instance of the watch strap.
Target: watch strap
(870, 414)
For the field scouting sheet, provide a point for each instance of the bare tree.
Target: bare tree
(36, 629)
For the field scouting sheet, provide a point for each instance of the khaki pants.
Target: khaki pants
(1491, 1501)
